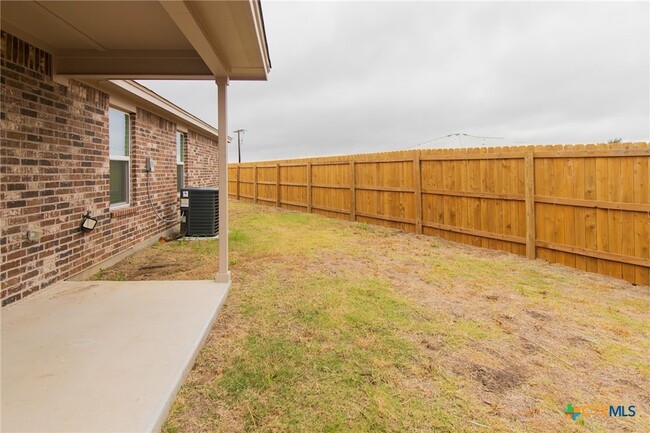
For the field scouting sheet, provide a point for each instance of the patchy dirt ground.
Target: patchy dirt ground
(494, 342)
(167, 260)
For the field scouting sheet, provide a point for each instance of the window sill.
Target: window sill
(122, 212)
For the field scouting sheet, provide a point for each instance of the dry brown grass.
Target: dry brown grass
(332, 326)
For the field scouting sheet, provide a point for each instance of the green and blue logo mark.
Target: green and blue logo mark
(570, 411)
(589, 410)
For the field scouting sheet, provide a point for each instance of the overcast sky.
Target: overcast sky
(353, 77)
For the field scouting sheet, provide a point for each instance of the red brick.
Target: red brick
(55, 153)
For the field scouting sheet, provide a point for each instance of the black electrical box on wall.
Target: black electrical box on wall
(201, 209)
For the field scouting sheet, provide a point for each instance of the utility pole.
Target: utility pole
(239, 132)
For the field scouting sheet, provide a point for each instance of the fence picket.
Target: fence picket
(583, 206)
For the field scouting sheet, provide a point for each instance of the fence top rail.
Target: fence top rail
(331, 162)
(323, 185)
(376, 161)
(261, 166)
(611, 153)
(468, 156)
(296, 164)
(540, 151)
(591, 153)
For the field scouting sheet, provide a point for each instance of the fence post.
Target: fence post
(417, 181)
(238, 182)
(277, 185)
(309, 187)
(353, 192)
(255, 184)
(529, 176)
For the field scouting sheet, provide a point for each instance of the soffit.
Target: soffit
(145, 39)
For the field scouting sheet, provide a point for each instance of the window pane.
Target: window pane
(180, 147)
(119, 181)
(118, 132)
(180, 180)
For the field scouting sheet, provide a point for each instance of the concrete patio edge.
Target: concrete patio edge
(164, 410)
(102, 356)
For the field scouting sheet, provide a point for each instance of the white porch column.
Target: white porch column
(223, 274)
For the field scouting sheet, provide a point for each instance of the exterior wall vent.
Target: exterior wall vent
(26, 55)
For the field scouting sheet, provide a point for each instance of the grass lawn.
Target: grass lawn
(334, 326)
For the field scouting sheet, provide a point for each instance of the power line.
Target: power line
(435, 139)
(460, 136)
(484, 137)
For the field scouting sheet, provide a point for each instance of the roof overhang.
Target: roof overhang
(133, 94)
(145, 39)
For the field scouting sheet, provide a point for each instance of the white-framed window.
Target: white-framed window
(119, 137)
(180, 159)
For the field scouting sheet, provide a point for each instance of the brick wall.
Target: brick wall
(201, 161)
(154, 137)
(55, 167)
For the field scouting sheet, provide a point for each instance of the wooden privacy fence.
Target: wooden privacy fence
(585, 206)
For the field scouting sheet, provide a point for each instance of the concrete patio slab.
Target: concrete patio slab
(102, 356)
